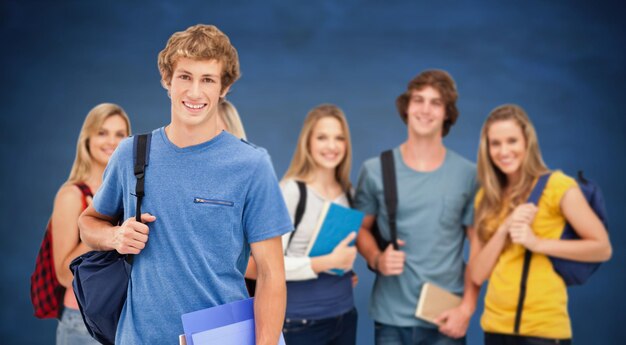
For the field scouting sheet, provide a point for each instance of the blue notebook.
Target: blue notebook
(227, 324)
(334, 224)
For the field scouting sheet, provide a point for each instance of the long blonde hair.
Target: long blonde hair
(94, 120)
(230, 117)
(493, 181)
(302, 163)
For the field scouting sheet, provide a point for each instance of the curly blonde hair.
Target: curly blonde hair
(200, 42)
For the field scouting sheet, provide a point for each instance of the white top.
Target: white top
(297, 265)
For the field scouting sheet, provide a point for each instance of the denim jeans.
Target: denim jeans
(506, 339)
(72, 329)
(339, 330)
(393, 335)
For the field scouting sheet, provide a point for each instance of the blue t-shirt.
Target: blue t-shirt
(433, 209)
(210, 201)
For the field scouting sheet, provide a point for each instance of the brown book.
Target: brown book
(433, 301)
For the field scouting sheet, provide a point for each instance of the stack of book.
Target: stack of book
(227, 324)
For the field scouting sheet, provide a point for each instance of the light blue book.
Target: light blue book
(334, 224)
(233, 334)
(227, 324)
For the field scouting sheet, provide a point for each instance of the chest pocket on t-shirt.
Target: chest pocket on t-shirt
(217, 216)
(216, 202)
(452, 210)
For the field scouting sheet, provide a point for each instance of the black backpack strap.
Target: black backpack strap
(522, 291)
(301, 205)
(142, 147)
(299, 211)
(141, 144)
(534, 197)
(391, 193)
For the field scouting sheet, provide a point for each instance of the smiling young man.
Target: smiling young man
(435, 188)
(210, 200)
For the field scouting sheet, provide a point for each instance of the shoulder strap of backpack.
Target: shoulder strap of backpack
(301, 204)
(299, 211)
(537, 191)
(534, 197)
(84, 188)
(142, 147)
(391, 193)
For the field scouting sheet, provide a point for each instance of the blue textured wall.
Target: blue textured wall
(563, 61)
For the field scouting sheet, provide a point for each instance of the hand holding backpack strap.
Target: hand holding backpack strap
(390, 192)
(142, 146)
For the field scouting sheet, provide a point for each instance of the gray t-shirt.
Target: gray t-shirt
(433, 210)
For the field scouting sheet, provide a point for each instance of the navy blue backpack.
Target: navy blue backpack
(572, 272)
(101, 277)
(576, 272)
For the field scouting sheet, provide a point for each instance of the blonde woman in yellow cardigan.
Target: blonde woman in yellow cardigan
(509, 164)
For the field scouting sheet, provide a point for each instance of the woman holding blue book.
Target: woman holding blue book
(320, 305)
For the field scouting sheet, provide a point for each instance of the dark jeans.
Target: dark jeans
(339, 330)
(506, 339)
(393, 335)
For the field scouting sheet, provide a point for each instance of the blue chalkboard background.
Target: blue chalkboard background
(563, 61)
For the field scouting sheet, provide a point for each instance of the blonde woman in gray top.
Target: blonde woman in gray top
(320, 306)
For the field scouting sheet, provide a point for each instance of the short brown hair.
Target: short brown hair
(200, 42)
(439, 80)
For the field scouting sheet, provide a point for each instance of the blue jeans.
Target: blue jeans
(392, 335)
(339, 330)
(72, 329)
(507, 339)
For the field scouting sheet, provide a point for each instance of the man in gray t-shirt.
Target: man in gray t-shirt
(436, 190)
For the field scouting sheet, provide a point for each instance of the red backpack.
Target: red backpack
(46, 292)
